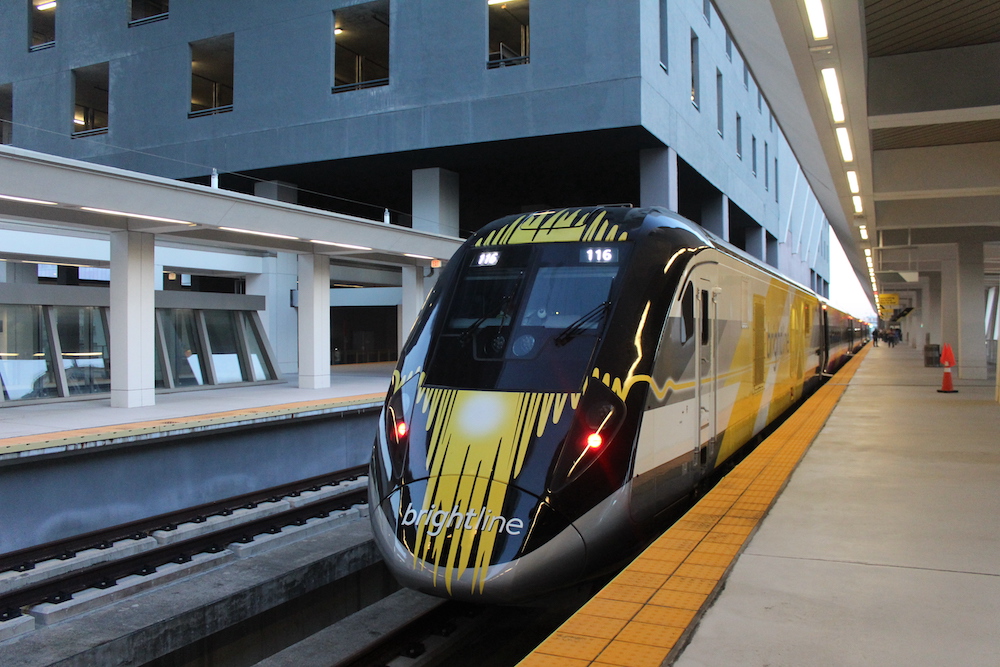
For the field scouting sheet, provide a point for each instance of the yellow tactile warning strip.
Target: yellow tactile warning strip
(645, 615)
(86, 437)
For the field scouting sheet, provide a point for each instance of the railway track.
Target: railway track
(176, 537)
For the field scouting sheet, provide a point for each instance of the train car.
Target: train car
(573, 376)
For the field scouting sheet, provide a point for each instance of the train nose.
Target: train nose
(503, 545)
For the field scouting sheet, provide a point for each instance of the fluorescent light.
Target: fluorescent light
(833, 94)
(141, 216)
(858, 208)
(406, 254)
(269, 234)
(45, 5)
(845, 144)
(341, 245)
(79, 121)
(25, 200)
(852, 181)
(864, 232)
(337, 31)
(817, 19)
(868, 252)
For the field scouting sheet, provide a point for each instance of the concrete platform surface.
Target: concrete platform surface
(884, 548)
(40, 418)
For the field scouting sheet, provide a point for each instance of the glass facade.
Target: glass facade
(53, 352)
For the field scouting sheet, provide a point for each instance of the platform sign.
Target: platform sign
(891, 300)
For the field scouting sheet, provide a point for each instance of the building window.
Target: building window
(767, 169)
(739, 136)
(695, 92)
(90, 100)
(6, 113)
(361, 46)
(212, 76)
(706, 11)
(43, 24)
(719, 118)
(147, 11)
(746, 76)
(760, 98)
(664, 37)
(775, 179)
(509, 33)
(729, 46)
(753, 151)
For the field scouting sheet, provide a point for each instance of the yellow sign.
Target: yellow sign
(888, 299)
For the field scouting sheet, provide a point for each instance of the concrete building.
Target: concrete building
(435, 116)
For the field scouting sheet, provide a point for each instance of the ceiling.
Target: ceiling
(920, 82)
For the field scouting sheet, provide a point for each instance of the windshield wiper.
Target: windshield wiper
(472, 328)
(577, 327)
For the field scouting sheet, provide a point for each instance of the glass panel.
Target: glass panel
(25, 360)
(85, 352)
(184, 353)
(255, 348)
(223, 338)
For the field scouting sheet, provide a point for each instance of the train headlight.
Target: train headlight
(598, 419)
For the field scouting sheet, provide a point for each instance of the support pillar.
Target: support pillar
(972, 311)
(949, 305)
(132, 320)
(276, 284)
(932, 307)
(435, 201)
(314, 321)
(715, 217)
(658, 177)
(413, 299)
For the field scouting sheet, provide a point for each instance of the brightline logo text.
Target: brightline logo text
(438, 520)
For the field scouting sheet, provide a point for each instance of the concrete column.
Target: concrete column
(658, 177)
(413, 299)
(932, 306)
(971, 352)
(435, 201)
(757, 243)
(314, 321)
(276, 284)
(949, 305)
(132, 320)
(715, 216)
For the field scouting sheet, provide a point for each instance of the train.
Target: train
(573, 376)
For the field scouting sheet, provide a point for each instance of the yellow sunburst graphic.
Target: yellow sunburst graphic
(556, 226)
(476, 445)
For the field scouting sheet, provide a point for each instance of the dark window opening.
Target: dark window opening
(695, 75)
(42, 19)
(687, 314)
(361, 46)
(6, 113)
(510, 33)
(664, 37)
(147, 11)
(90, 100)
(719, 111)
(363, 334)
(43, 24)
(212, 76)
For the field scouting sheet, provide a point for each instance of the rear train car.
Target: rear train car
(574, 375)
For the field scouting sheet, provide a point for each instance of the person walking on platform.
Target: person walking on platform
(875, 335)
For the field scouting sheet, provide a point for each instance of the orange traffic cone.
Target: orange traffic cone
(947, 360)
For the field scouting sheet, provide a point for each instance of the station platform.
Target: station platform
(68, 426)
(864, 531)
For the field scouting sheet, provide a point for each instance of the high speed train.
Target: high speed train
(572, 376)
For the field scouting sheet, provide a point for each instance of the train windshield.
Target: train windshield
(525, 318)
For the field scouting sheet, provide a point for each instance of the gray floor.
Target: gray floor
(884, 549)
(347, 380)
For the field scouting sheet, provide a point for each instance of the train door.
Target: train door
(705, 281)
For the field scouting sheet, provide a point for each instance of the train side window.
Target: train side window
(705, 324)
(687, 314)
(759, 342)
